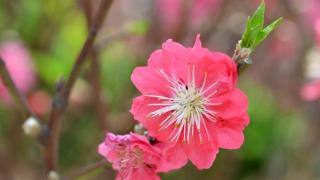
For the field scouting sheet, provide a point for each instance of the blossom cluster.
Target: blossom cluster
(190, 106)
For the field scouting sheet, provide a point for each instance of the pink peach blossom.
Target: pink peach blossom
(170, 13)
(20, 66)
(190, 99)
(135, 158)
(311, 91)
(131, 155)
(313, 16)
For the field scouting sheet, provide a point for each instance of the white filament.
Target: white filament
(187, 108)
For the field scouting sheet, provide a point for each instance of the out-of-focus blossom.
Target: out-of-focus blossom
(172, 14)
(77, 97)
(20, 66)
(39, 102)
(312, 66)
(190, 99)
(135, 158)
(311, 91)
(284, 44)
(313, 16)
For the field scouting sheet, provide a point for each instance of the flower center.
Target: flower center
(187, 108)
(129, 159)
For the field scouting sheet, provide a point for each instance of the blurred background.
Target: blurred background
(39, 41)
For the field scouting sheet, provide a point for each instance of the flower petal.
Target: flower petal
(202, 155)
(229, 132)
(148, 81)
(141, 109)
(174, 157)
(233, 104)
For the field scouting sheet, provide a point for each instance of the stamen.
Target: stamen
(187, 108)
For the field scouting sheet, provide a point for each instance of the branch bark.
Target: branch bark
(88, 169)
(60, 101)
(13, 90)
(95, 72)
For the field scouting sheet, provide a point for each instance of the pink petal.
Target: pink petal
(229, 132)
(202, 155)
(143, 174)
(148, 81)
(140, 109)
(197, 44)
(174, 157)
(103, 149)
(234, 104)
(229, 138)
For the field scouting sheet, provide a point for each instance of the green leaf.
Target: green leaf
(245, 36)
(257, 19)
(138, 27)
(254, 25)
(254, 32)
(266, 31)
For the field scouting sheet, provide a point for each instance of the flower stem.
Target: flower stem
(241, 57)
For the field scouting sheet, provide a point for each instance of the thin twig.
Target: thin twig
(95, 72)
(60, 101)
(99, 103)
(119, 34)
(13, 90)
(87, 170)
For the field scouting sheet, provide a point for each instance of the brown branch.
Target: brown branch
(13, 90)
(60, 101)
(95, 72)
(99, 103)
(87, 170)
(88, 11)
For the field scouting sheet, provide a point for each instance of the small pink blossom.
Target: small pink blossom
(39, 102)
(171, 13)
(313, 16)
(135, 158)
(190, 99)
(311, 91)
(20, 66)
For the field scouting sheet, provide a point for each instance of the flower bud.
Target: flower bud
(139, 129)
(31, 127)
(53, 175)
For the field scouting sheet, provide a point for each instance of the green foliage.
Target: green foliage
(64, 48)
(255, 33)
(116, 71)
(270, 130)
(79, 141)
(138, 27)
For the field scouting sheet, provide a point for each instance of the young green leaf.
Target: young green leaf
(254, 25)
(254, 33)
(266, 31)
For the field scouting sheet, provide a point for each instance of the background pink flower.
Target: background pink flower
(311, 91)
(19, 63)
(313, 16)
(171, 13)
(189, 98)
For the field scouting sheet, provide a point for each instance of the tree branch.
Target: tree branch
(13, 90)
(88, 169)
(60, 101)
(95, 72)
